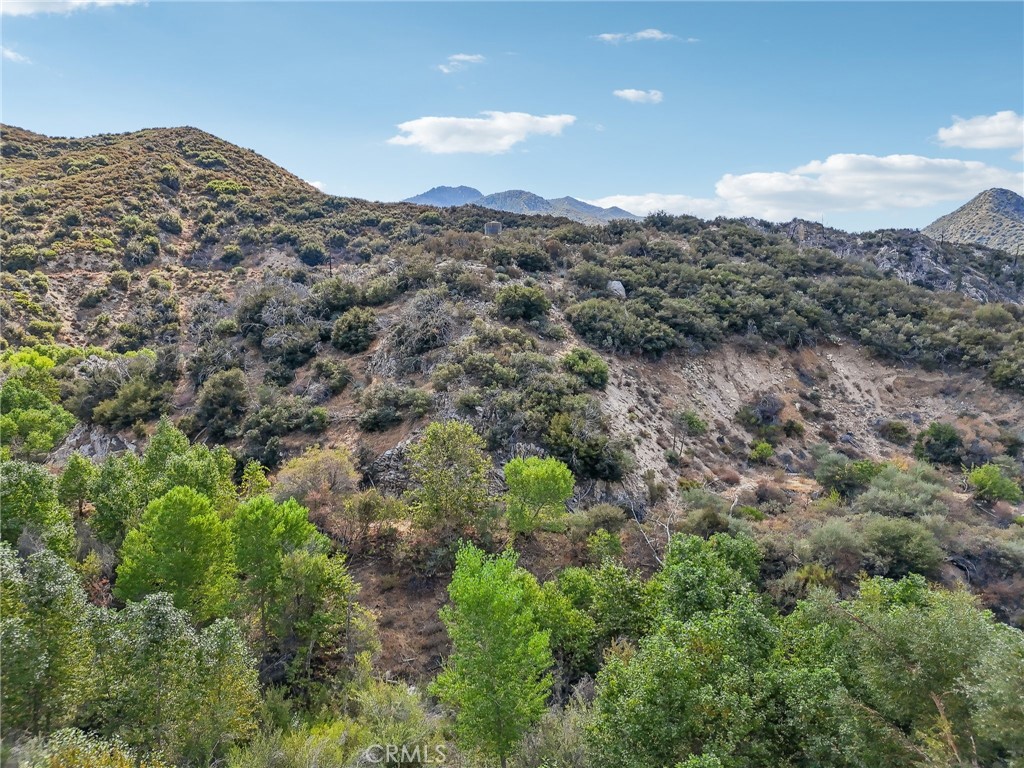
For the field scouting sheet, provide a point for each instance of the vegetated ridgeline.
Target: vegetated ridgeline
(769, 409)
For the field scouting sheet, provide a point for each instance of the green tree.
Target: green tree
(75, 484)
(165, 686)
(323, 629)
(30, 423)
(227, 696)
(537, 491)
(181, 546)
(118, 495)
(31, 508)
(497, 674)
(702, 576)
(900, 547)
(923, 665)
(449, 466)
(254, 480)
(170, 461)
(264, 534)
(47, 646)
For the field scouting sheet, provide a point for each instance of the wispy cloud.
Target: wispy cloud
(318, 184)
(493, 133)
(840, 183)
(459, 61)
(1003, 130)
(12, 55)
(634, 37)
(639, 97)
(32, 7)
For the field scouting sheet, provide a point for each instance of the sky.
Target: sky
(861, 114)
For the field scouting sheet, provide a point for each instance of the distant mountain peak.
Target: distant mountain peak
(994, 218)
(445, 197)
(521, 201)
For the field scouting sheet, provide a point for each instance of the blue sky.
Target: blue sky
(866, 114)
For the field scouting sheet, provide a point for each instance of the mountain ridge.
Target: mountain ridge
(176, 273)
(521, 201)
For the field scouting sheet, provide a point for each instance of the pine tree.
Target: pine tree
(75, 482)
(183, 547)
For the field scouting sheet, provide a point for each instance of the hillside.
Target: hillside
(523, 202)
(994, 218)
(847, 408)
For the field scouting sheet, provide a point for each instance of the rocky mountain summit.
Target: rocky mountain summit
(994, 218)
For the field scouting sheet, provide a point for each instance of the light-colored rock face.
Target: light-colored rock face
(93, 442)
(616, 288)
(994, 218)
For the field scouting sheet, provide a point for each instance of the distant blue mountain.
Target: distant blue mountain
(521, 201)
(445, 197)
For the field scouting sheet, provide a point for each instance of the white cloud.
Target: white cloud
(17, 58)
(1003, 130)
(640, 97)
(31, 7)
(459, 61)
(494, 133)
(318, 184)
(635, 37)
(840, 183)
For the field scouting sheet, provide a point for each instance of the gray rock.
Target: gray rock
(616, 288)
(94, 443)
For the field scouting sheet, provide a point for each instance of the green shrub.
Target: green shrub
(354, 330)
(895, 432)
(336, 375)
(385, 405)
(602, 545)
(847, 477)
(761, 452)
(169, 222)
(587, 366)
(232, 254)
(939, 444)
(690, 423)
(609, 324)
(521, 302)
(899, 547)
(991, 484)
(585, 522)
(221, 404)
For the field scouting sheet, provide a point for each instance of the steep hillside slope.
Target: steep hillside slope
(169, 272)
(982, 273)
(994, 218)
